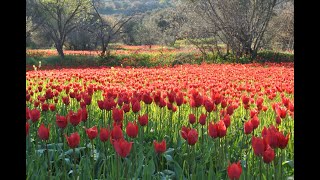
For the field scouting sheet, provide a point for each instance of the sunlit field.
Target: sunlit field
(184, 122)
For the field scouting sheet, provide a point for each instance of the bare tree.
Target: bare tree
(107, 27)
(239, 24)
(61, 17)
(279, 34)
(33, 19)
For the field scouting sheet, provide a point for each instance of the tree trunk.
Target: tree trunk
(59, 48)
(254, 54)
(228, 49)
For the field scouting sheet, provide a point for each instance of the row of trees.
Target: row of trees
(243, 26)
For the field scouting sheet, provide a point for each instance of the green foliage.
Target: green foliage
(150, 59)
(271, 56)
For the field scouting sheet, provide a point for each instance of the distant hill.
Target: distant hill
(129, 6)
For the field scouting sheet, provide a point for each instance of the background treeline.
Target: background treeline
(237, 28)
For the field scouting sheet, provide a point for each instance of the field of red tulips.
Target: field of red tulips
(217, 121)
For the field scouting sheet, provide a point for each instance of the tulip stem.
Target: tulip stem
(109, 118)
(92, 159)
(202, 137)
(267, 171)
(118, 175)
(148, 115)
(275, 166)
(253, 157)
(49, 171)
(74, 163)
(105, 162)
(218, 153)
(280, 163)
(260, 166)
(64, 165)
(179, 119)
(247, 152)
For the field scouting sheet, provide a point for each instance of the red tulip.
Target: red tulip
(264, 108)
(66, 100)
(118, 124)
(285, 101)
(27, 114)
(213, 130)
(226, 120)
(192, 137)
(169, 106)
(253, 112)
(245, 100)
(83, 105)
(34, 115)
(136, 107)
(259, 101)
(122, 147)
(224, 103)
(132, 129)
(255, 121)
(36, 103)
(117, 115)
(45, 107)
(198, 100)
(179, 99)
(116, 133)
(171, 96)
(258, 145)
(126, 108)
(192, 118)
(248, 127)
(109, 103)
(101, 104)
(208, 105)
(92, 132)
(84, 114)
(73, 140)
(222, 129)
(230, 110)
(184, 132)
(217, 98)
(104, 134)
(160, 147)
(281, 112)
(61, 121)
(282, 140)
(162, 103)
(202, 119)
(278, 120)
(234, 170)
(87, 99)
(74, 118)
(146, 98)
(174, 108)
(143, 120)
(43, 132)
(120, 101)
(52, 107)
(268, 155)
(271, 136)
(27, 128)
(291, 107)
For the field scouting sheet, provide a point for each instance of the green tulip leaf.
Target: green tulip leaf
(168, 157)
